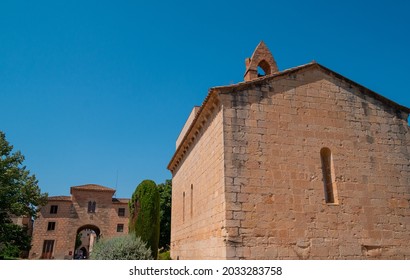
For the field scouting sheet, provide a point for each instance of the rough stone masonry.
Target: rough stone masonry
(295, 164)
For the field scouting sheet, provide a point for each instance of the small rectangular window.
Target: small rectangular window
(120, 227)
(53, 209)
(121, 212)
(51, 226)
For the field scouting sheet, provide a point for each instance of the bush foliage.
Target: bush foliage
(164, 256)
(126, 247)
(144, 214)
(165, 198)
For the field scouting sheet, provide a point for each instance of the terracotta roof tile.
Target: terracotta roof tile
(91, 187)
(60, 198)
(120, 200)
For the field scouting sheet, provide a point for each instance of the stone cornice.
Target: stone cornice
(210, 103)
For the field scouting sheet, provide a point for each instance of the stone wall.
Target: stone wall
(198, 196)
(275, 200)
(73, 216)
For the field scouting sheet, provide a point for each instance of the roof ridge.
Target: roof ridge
(244, 85)
(91, 187)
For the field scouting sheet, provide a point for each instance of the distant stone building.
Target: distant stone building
(23, 221)
(295, 164)
(90, 212)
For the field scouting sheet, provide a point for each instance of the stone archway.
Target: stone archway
(85, 238)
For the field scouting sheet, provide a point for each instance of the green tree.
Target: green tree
(165, 198)
(14, 240)
(144, 214)
(20, 195)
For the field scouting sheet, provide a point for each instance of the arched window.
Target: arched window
(328, 175)
(91, 206)
(263, 68)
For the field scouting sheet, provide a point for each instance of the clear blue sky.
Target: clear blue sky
(92, 89)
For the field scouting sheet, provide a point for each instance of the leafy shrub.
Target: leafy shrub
(126, 247)
(165, 201)
(144, 214)
(164, 256)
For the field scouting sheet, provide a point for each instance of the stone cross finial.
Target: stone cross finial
(262, 58)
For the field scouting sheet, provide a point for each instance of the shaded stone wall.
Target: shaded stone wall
(198, 210)
(275, 198)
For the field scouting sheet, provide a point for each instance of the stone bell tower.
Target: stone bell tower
(262, 58)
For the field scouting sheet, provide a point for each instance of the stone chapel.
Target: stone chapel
(301, 163)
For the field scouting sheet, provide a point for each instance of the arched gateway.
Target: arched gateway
(86, 236)
(68, 226)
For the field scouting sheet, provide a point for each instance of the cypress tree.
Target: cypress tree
(145, 216)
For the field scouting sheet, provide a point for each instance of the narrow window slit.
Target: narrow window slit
(183, 207)
(192, 200)
(328, 176)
